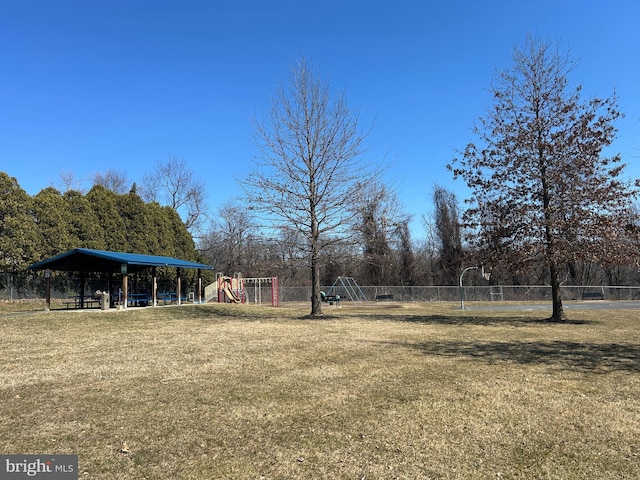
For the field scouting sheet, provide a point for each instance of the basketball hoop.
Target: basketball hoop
(485, 275)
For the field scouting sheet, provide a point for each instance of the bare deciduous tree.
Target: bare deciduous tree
(174, 184)
(448, 233)
(374, 226)
(69, 182)
(407, 262)
(382, 229)
(227, 243)
(543, 190)
(309, 171)
(113, 180)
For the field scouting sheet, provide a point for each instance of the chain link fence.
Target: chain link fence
(485, 293)
(25, 286)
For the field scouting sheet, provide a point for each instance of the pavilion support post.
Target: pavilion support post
(47, 276)
(125, 288)
(82, 282)
(199, 286)
(154, 288)
(178, 296)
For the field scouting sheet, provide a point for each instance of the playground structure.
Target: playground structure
(344, 288)
(230, 290)
(239, 289)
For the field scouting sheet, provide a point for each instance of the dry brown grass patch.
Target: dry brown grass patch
(421, 391)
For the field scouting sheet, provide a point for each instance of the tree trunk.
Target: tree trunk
(316, 302)
(558, 312)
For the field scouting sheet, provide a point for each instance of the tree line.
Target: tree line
(378, 249)
(33, 228)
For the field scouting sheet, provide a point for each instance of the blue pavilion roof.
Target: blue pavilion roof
(88, 260)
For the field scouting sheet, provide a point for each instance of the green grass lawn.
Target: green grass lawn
(417, 391)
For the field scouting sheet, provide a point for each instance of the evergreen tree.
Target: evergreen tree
(83, 224)
(53, 230)
(112, 234)
(17, 232)
(137, 228)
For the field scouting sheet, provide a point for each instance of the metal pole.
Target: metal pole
(47, 275)
(462, 287)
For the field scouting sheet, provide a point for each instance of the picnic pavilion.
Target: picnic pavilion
(84, 260)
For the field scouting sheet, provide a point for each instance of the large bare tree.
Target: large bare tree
(543, 189)
(310, 170)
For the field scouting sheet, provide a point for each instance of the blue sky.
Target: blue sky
(96, 85)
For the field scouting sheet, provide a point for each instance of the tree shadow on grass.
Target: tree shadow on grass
(241, 314)
(208, 312)
(584, 357)
(316, 318)
(473, 320)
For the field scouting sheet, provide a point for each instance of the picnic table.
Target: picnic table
(138, 300)
(170, 297)
(80, 301)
